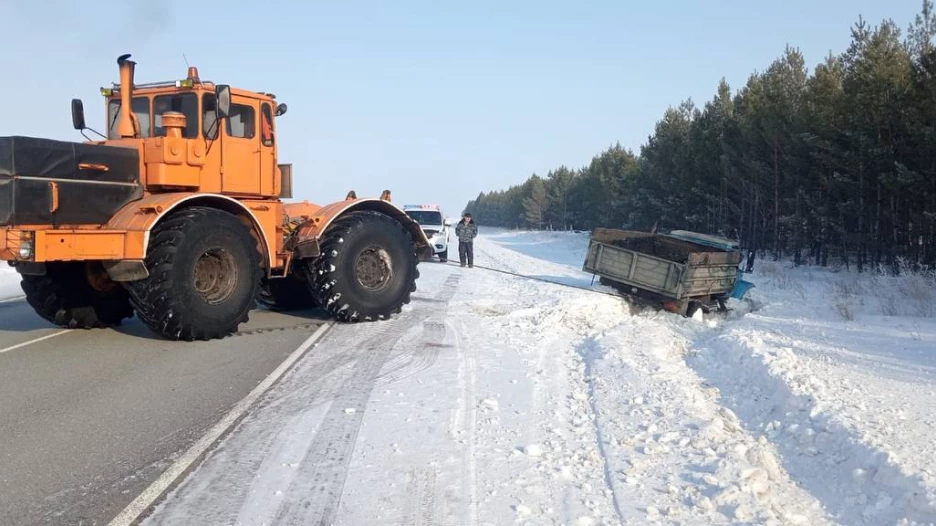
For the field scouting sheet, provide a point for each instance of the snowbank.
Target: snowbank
(668, 451)
(837, 370)
(821, 380)
(9, 282)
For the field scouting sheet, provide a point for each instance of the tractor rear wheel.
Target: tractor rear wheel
(204, 273)
(77, 295)
(367, 269)
(286, 294)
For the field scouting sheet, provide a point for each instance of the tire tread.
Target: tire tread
(324, 287)
(155, 299)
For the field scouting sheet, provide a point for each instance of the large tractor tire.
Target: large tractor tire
(77, 295)
(286, 294)
(204, 274)
(367, 269)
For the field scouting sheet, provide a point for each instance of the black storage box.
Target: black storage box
(87, 192)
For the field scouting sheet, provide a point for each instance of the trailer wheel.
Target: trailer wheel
(367, 269)
(443, 256)
(204, 274)
(286, 294)
(77, 296)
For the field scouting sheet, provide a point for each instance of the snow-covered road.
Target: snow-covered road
(494, 400)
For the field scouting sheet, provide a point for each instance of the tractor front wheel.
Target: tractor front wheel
(204, 273)
(77, 295)
(367, 269)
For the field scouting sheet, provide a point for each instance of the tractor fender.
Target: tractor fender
(305, 242)
(140, 217)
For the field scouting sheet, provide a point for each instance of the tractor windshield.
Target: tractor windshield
(140, 107)
(425, 217)
(184, 103)
(151, 120)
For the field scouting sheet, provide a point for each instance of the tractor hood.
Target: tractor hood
(49, 182)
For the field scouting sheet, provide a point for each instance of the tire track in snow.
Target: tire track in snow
(589, 350)
(421, 497)
(237, 482)
(244, 480)
(314, 495)
(411, 361)
(467, 422)
(562, 470)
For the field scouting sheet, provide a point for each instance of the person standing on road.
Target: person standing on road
(466, 230)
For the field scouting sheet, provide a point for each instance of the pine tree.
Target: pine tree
(831, 167)
(534, 206)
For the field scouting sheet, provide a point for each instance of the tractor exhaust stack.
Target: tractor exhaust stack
(125, 127)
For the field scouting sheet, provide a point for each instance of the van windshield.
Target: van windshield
(425, 217)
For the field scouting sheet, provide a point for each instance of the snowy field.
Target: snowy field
(495, 400)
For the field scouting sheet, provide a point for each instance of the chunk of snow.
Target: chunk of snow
(490, 403)
(705, 504)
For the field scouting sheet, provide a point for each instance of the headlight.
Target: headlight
(26, 249)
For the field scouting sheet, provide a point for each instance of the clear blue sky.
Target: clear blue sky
(436, 101)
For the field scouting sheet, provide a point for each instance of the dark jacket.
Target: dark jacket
(466, 231)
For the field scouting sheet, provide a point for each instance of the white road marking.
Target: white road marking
(36, 340)
(139, 505)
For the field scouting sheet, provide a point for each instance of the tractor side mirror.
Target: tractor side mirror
(447, 222)
(280, 110)
(78, 118)
(223, 93)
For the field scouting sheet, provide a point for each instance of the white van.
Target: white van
(434, 224)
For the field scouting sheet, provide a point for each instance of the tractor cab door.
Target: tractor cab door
(267, 151)
(240, 149)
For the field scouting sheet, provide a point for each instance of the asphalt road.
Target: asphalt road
(88, 419)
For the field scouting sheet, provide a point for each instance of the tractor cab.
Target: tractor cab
(184, 146)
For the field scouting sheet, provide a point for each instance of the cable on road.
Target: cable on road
(541, 280)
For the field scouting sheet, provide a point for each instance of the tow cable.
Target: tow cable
(541, 280)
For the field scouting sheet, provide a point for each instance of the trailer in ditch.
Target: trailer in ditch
(682, 271)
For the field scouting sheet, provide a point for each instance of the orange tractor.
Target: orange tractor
(178, 216)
